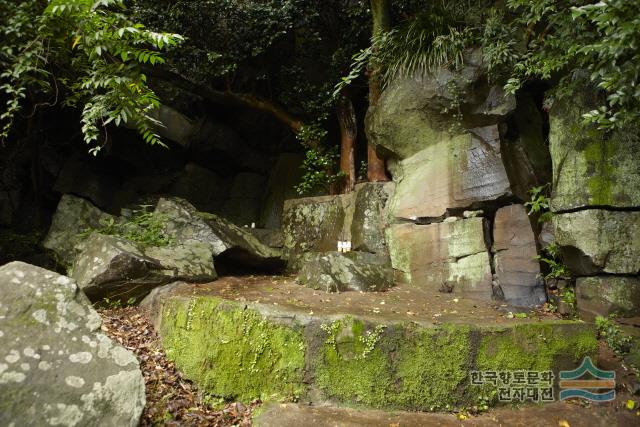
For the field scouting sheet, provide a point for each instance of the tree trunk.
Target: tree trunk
(381, 16)
(348, 134)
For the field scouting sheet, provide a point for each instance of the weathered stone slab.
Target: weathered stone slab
(313, 224)
(591, 168)
(350, 271)
(301, 346)
(604, 295)
(235, 244)
(73, 216)
(370, 217)
(597, 240)
(514, 248)
(451, 256)
(56, 367)
(114, 268)
(451, 173)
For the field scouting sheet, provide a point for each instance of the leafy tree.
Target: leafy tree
(564, 37)
(80, 53)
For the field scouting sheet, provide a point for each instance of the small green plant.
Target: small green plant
(144, 228)
(116, 304)
(609, 330)
(552, 258)
(540, 203)
(320, 163)
(568, 296)
(369, 340)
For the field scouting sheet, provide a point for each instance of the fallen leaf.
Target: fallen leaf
(563, 423)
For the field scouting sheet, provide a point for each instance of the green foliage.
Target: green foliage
(564, 37)
(86, 53)
(540, 203)
(609, 330)
(319, 168)
(144, 228)
(435, 36)
(568, 296)
(115, 304)
(552, 258)
(421, 45)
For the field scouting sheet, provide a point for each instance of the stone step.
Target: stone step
(296, 415)
(269, 338)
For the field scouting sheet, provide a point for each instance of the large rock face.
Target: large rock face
(453, 172)
(73, 216)
(604, 295)
(591, 168)
(339, 272)
(514, 248)
(413, 112)
(203, 188)
(447, 256)
(245, 199)
(597, 240)
(525, 149)
(57, 367)
(596, 200)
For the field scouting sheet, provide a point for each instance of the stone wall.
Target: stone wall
(596, 205)
(462, 164)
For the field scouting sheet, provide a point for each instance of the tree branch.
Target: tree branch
(227, 98)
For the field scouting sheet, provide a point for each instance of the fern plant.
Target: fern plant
(435, 37)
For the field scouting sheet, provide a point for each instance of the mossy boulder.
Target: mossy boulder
(599, 241)
(351, 271)
(73, 216)
(56, 366)
(605, 295)
(416, 111)
(268, 351)
(591, 167)
(314, 224)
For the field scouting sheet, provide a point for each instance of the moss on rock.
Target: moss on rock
(539, 347)
(232, 352)
(237, 352)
